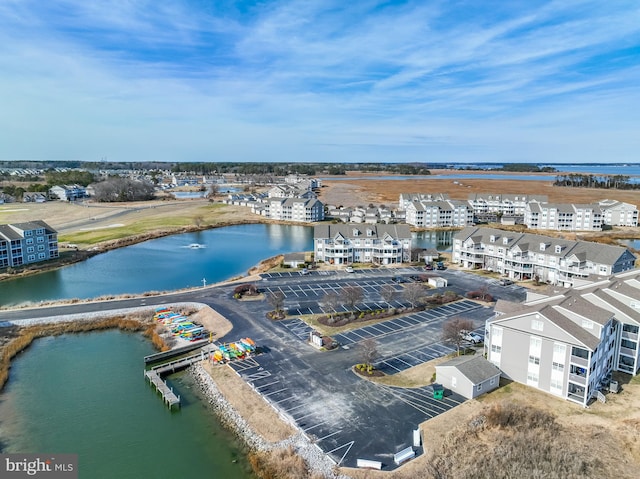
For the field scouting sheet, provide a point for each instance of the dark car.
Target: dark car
(505, 282)
(440, 265)
(428, 267)
(398, 279)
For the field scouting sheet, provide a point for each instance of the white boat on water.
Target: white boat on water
(197, 246)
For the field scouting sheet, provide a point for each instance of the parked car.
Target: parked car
(428, 267)
(440, 265)
(349, 269)
(470, 336)
(398, 279)
(304, 271)
(505, 282)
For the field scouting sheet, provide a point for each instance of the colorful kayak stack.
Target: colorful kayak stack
(237, 350)
(180, 325)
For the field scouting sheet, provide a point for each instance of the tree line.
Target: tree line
(578, 180)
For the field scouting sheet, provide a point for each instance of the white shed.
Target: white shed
(469, 376)
(437, 282)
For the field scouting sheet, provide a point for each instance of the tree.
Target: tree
(452, 329)
(352, 295)
(414, 293)
(213, 190)
(197, 220)
(276, 300)
(369, 352)
(388, 293)
(331, 300)
(123, 189)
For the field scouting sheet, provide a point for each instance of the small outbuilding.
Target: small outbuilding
(294, 260)
(437, 282)
(469, 376)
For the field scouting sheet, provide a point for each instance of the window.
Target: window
(534, 360)
(625, 343)
(630, 328)
(557, 366)
(496, 349)
(492, 381)
(537, 324)
(480, 387)
(532, 378)
(535, 346)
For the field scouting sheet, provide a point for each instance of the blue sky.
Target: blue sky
(335, 81)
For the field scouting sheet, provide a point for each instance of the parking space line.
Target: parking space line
(274, 392)
(294, 407)
(313, 427)
(329, 435)
(267, 385)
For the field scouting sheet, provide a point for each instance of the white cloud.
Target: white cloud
(318, 81)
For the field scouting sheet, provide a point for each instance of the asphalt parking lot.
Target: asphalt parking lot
(346, 416)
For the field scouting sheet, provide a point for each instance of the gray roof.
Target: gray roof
(579, 333)
(347, 230)
(12, 231)
(583, 250)
(475, 368)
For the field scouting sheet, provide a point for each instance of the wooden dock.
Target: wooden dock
(154, 375)
(168, 396)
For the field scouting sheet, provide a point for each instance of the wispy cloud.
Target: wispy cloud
(313, 80)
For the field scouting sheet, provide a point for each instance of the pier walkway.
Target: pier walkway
(154, 375)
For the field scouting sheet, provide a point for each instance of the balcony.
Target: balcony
(627, 351)
(628, 335)
(582, 380)
(580, 361)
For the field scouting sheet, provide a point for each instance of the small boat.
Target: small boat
(196, 246)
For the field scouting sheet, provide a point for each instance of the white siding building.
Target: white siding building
(360, 243)
(568, 344)
(522, 256)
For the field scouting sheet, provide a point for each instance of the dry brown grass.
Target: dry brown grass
(373, 190)
(262, 418)
(279, 464)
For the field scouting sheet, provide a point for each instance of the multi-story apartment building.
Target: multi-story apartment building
(68, 192)
(568, 344)
(25, 243)
(408, 198)
(523, 256)
(430, 214)
(358, 243)
(508, 205)
(617, 213)
(294, 209)
(563, 217)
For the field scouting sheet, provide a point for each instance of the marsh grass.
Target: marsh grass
(25, 336)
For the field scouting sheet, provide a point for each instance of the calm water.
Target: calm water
(440, 240)
(85, 394)
(163, 264)
(631, 243)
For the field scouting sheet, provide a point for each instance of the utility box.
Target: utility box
(614, 387)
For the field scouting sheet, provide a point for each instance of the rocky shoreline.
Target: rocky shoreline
(316, 460)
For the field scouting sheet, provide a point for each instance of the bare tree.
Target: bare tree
(352, 295)
(388, 293)
(331, 300)
(197, 220)
(452, 330)
(369, 352)
(276, 300)
(414, 293)
(213, 190)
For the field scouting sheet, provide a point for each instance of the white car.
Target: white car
(349, 269)
(471, 337)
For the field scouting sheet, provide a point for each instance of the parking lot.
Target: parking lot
(319, 392)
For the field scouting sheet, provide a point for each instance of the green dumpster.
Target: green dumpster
(438, 391)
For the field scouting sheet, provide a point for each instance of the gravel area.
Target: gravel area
(317, 461)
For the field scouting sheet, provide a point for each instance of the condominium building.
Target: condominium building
(563, 217)
(617, 213)
(25, 243)
(523, 256)
(360, 243)
(568, 344)
(431, 214)
(305, 210)
(408, 198)
(505, 204)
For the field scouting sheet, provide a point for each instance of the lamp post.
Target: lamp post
(204, 282)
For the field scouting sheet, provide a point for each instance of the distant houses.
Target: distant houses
(25, 243)
(522, 256)
(568, 344)
(68, 192)
(343, 244)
